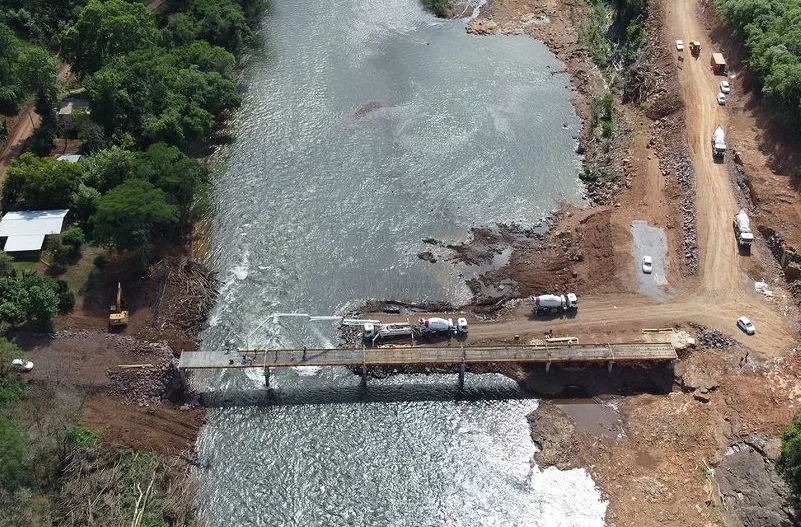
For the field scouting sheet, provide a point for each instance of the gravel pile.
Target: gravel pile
(714, 339)
(149, 384)
(686, 178)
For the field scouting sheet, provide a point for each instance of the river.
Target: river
(365, 129)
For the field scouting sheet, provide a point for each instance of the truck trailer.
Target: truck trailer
(718, 64)
(543, 304)
(742, 230)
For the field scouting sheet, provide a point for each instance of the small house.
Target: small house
(24, 231)
(69, 106)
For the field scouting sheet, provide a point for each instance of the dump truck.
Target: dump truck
(718, 143)
(718, 64)
(695, 48)
(544, 304)
(742, 229)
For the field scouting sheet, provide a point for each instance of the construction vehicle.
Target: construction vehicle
(373, 332)
(718, 143)
(118, 316)
(546, 304)
(695, 48)
(441, 326)
(742, 230)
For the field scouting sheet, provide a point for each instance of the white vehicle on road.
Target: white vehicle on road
(647, 265)
(746, 325)
(680, 45)
(22, 365)
(725, 87)
(721, 99)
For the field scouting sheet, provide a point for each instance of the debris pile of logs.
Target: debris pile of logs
(187, 291)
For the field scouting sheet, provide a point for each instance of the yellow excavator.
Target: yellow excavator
(118, 316)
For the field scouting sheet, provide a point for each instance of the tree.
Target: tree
(789, 462)
(35, 183)
(11, 91)
(219, 22)
(162, 96)
(109, 168)
(37, 73)
(177, 174)
(6, 264)
(128, 214)
(106, 29)
(28, 297)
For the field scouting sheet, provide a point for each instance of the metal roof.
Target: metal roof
(71, 158)
(27, 229)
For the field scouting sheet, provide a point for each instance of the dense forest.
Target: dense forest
(158, 85)
(771, 30)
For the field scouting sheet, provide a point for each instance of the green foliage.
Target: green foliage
(603, 108)
(128, 214)
(83, 436)
(614, 31)
(593, 175)
(6, 264)
(789, 462)
(441, 8)
(28, 297)
(74, 237)
(83, 202)
(163, 96)
(41, 142)
(11, 387)
(24, 69)
(772, 33)
(13, 455)
(105, 29)
(219, 22)
(37, 73)
(36, 183)
(38, 20)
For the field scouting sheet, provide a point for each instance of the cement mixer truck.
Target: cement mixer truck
(718, 143)
(441, 326)
(742, 230)
(547, 304)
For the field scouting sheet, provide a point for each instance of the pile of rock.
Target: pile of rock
(149, 383)
(714, 339)
(686, 178)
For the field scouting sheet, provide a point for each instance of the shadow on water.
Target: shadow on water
(372, 393)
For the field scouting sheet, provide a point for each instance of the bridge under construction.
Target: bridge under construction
(454, 356)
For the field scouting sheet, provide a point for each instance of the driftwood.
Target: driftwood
(187, 295)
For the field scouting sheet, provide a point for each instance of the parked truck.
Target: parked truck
(742, 229)
(543, 304)
(695, 48)
(718, 143)
(718, 64)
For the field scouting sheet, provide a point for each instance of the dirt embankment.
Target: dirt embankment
(130, 389)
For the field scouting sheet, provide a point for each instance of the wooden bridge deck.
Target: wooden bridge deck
(422, 355)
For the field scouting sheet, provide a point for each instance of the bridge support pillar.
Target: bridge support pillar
(609, 365)
(548, 367)
(364, 374)
(267, 376)
(462, 368)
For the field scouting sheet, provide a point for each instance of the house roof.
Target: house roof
(72, 158)
(27, 229)
(69, 105)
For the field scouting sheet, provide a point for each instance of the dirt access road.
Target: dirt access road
(715, 203)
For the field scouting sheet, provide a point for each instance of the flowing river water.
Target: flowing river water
(366, 128)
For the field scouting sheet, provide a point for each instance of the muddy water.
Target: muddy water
(365, 129)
